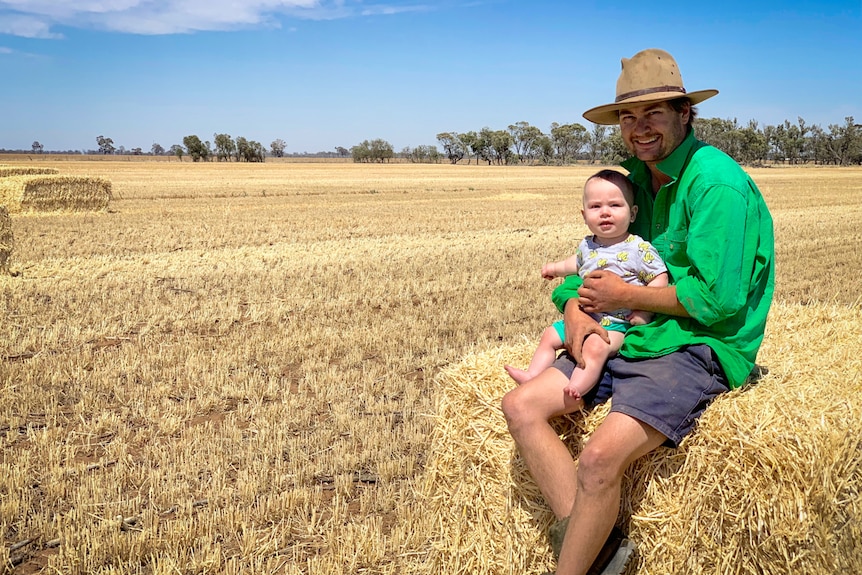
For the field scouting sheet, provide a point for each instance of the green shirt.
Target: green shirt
(714, 232)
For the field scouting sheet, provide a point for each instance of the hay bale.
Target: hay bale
(7, 240)
(9, 171)
(768, 484)
(54, 193)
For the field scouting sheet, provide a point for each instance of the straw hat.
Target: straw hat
(649, 76)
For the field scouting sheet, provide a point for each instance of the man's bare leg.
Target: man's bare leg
(528, 409)
(614, 445)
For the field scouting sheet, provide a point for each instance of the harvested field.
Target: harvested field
(242, 369)
(46, 193)
(7, 240)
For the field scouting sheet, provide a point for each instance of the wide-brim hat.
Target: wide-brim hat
(649, 76)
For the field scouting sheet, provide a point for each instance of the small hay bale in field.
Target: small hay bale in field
(54, 193)
(8, 171)
(768, 484)
(7, 239)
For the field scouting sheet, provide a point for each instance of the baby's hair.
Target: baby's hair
(619, 180)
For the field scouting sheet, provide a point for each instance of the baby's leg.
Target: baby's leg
(596, 353)
(543, 357)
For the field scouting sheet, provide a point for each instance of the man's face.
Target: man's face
(652, 131)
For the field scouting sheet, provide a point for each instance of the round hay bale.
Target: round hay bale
(7, 240)
(768, 484)
(54, 193)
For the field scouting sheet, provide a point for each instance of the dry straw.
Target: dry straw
(7, 239)
(54, 193)
(769, 484)
(8, 171)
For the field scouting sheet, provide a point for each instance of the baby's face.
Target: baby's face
(606, 211)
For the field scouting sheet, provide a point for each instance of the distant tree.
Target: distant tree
(726, 135)
(195, 148)
(843, 144)
(434, 155)
(525, 138)
(258, 152)
(482, 146)
(137, 152)
(501, 146)
(277, 147)
(596, 142)
(568, 141)
(242, 148)
(372, 151)
(754, 145)
(421, 154)
(613, 148)
(543, 149)
(342, 151)
(178, 151)
(157, 149)
(473, 145)
(106, 145)
(38, 148)
(789, 141)
(453, 146)
(249, 150)
(225, 148)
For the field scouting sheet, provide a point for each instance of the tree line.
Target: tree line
(800, 143)
(523, 143)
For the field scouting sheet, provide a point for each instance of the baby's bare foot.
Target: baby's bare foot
(572, 392)
(519, 375)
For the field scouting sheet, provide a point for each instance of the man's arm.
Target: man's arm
(641, 317)
(604, 291)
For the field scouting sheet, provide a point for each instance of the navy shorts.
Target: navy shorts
(667, 393)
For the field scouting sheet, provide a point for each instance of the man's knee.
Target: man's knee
(517, 409)
(512, 408)
(599, 468)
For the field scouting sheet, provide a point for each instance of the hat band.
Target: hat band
(636, 93)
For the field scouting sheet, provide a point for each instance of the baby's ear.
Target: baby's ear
(634, 212)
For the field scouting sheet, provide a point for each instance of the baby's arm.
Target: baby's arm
(638, 317)
(561, 269)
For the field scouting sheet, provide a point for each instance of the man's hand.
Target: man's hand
(602, 291)
(578, 326)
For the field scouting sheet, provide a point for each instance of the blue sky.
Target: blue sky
(325, 73)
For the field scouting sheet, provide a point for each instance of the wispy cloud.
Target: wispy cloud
(39, 18)
(25, 25)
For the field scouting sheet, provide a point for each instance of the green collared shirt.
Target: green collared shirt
(711, 226)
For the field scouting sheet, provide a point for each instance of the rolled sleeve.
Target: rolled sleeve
(716, 284)
(566, 291)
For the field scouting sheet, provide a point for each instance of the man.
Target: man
(709, 223)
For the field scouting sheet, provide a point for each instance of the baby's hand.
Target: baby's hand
(548, 271)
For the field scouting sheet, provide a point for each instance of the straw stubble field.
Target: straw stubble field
(234, 368)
